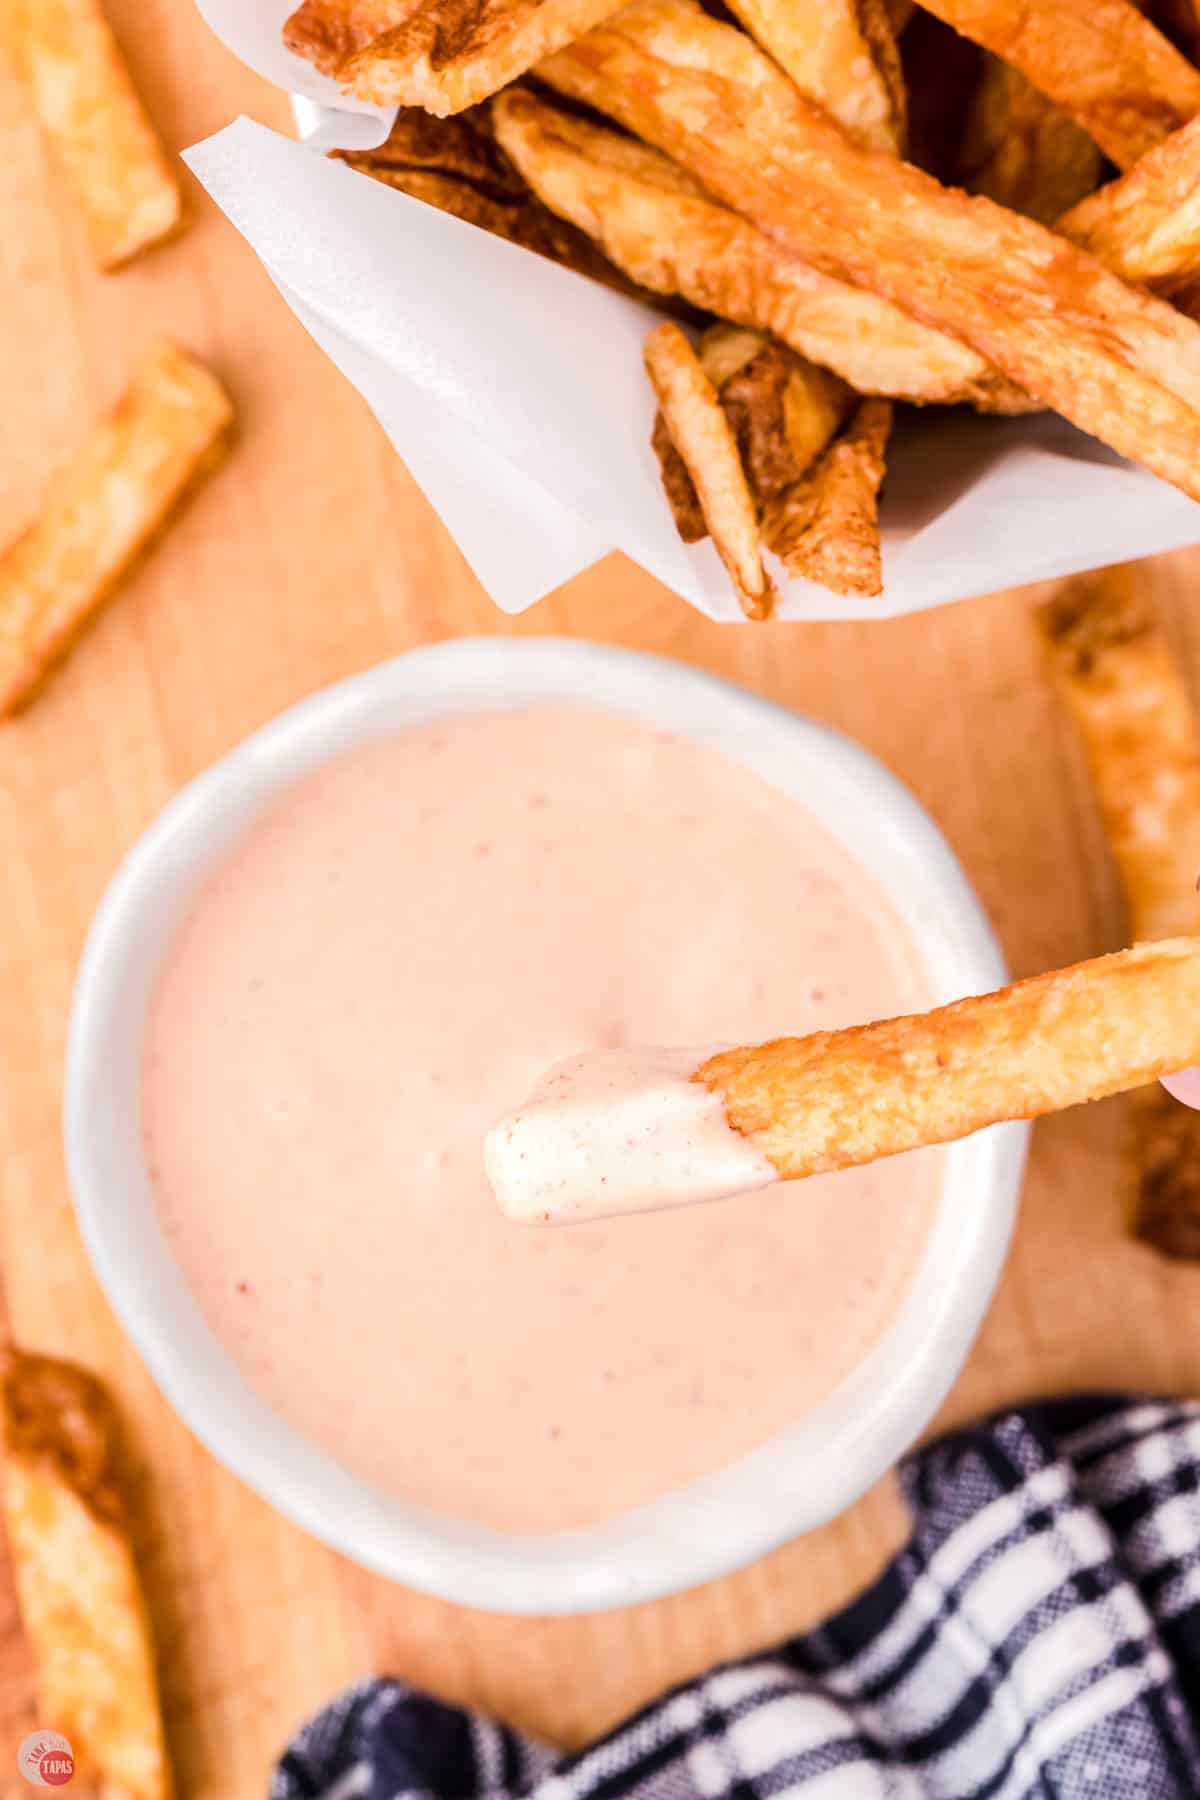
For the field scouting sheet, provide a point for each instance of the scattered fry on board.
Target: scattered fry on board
(80, 1598)
(701, 434)
(103, 510)
(1115, 675)
(98, 130)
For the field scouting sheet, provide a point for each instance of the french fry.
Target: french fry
(825, 528)
(1023, 152)
(700, 432)
(1146, 224)
(1115, 676)
(1113, 359)
(97, 128)
(80, 1598)
(1099, 60)
(447, 60)
(327, 32)
(782, 411)
(656, 223)
(842, 53)
(840, 1098)
(103, 511)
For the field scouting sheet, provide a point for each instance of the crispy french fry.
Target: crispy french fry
(327, 32)
(1115, 676)
(1100, 60)
(842, 54)
(456, 165)
(825, 528)
(782, 412)
(840, 1098)
(1146, 224)
(80, 1598)
(656, 224)
(1113, 359)
(97, 128)
(103, 511)
(701, 434)
(1023, 152)
(447, 61)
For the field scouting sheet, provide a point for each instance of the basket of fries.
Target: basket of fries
(830, 309)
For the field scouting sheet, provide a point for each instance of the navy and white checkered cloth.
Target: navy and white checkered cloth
(1040, 1635)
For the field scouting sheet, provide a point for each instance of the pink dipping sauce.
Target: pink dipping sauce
(380, 971)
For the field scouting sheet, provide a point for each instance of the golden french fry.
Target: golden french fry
(840, 1098)
(97, 127)
(782, 410)
(1115, 675)
(825, 528)
(842, 54)
(446, 64)
(1100, 60)
(102, 512)
(80, 1598)
(1110, 357)
(1164, 1146)
(1146, 224)
(656, 224)
(1022, 151)
(692, 414)
(327, 32)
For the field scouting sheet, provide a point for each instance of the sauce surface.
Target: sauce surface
(381, 970)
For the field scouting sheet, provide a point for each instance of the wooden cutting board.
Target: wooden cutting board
(311, 556)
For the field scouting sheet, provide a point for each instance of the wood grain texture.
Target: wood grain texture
(309, 557)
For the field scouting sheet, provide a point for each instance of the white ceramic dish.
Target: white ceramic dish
(789, 1485)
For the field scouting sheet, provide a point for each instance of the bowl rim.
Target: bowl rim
(795, 1481)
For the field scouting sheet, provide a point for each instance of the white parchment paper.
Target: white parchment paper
(515, 393)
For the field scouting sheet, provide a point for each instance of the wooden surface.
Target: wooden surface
(311, 556)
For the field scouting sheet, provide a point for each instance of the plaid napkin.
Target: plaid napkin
(1040, 1635)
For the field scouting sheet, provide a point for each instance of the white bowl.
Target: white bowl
(796, 1481)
